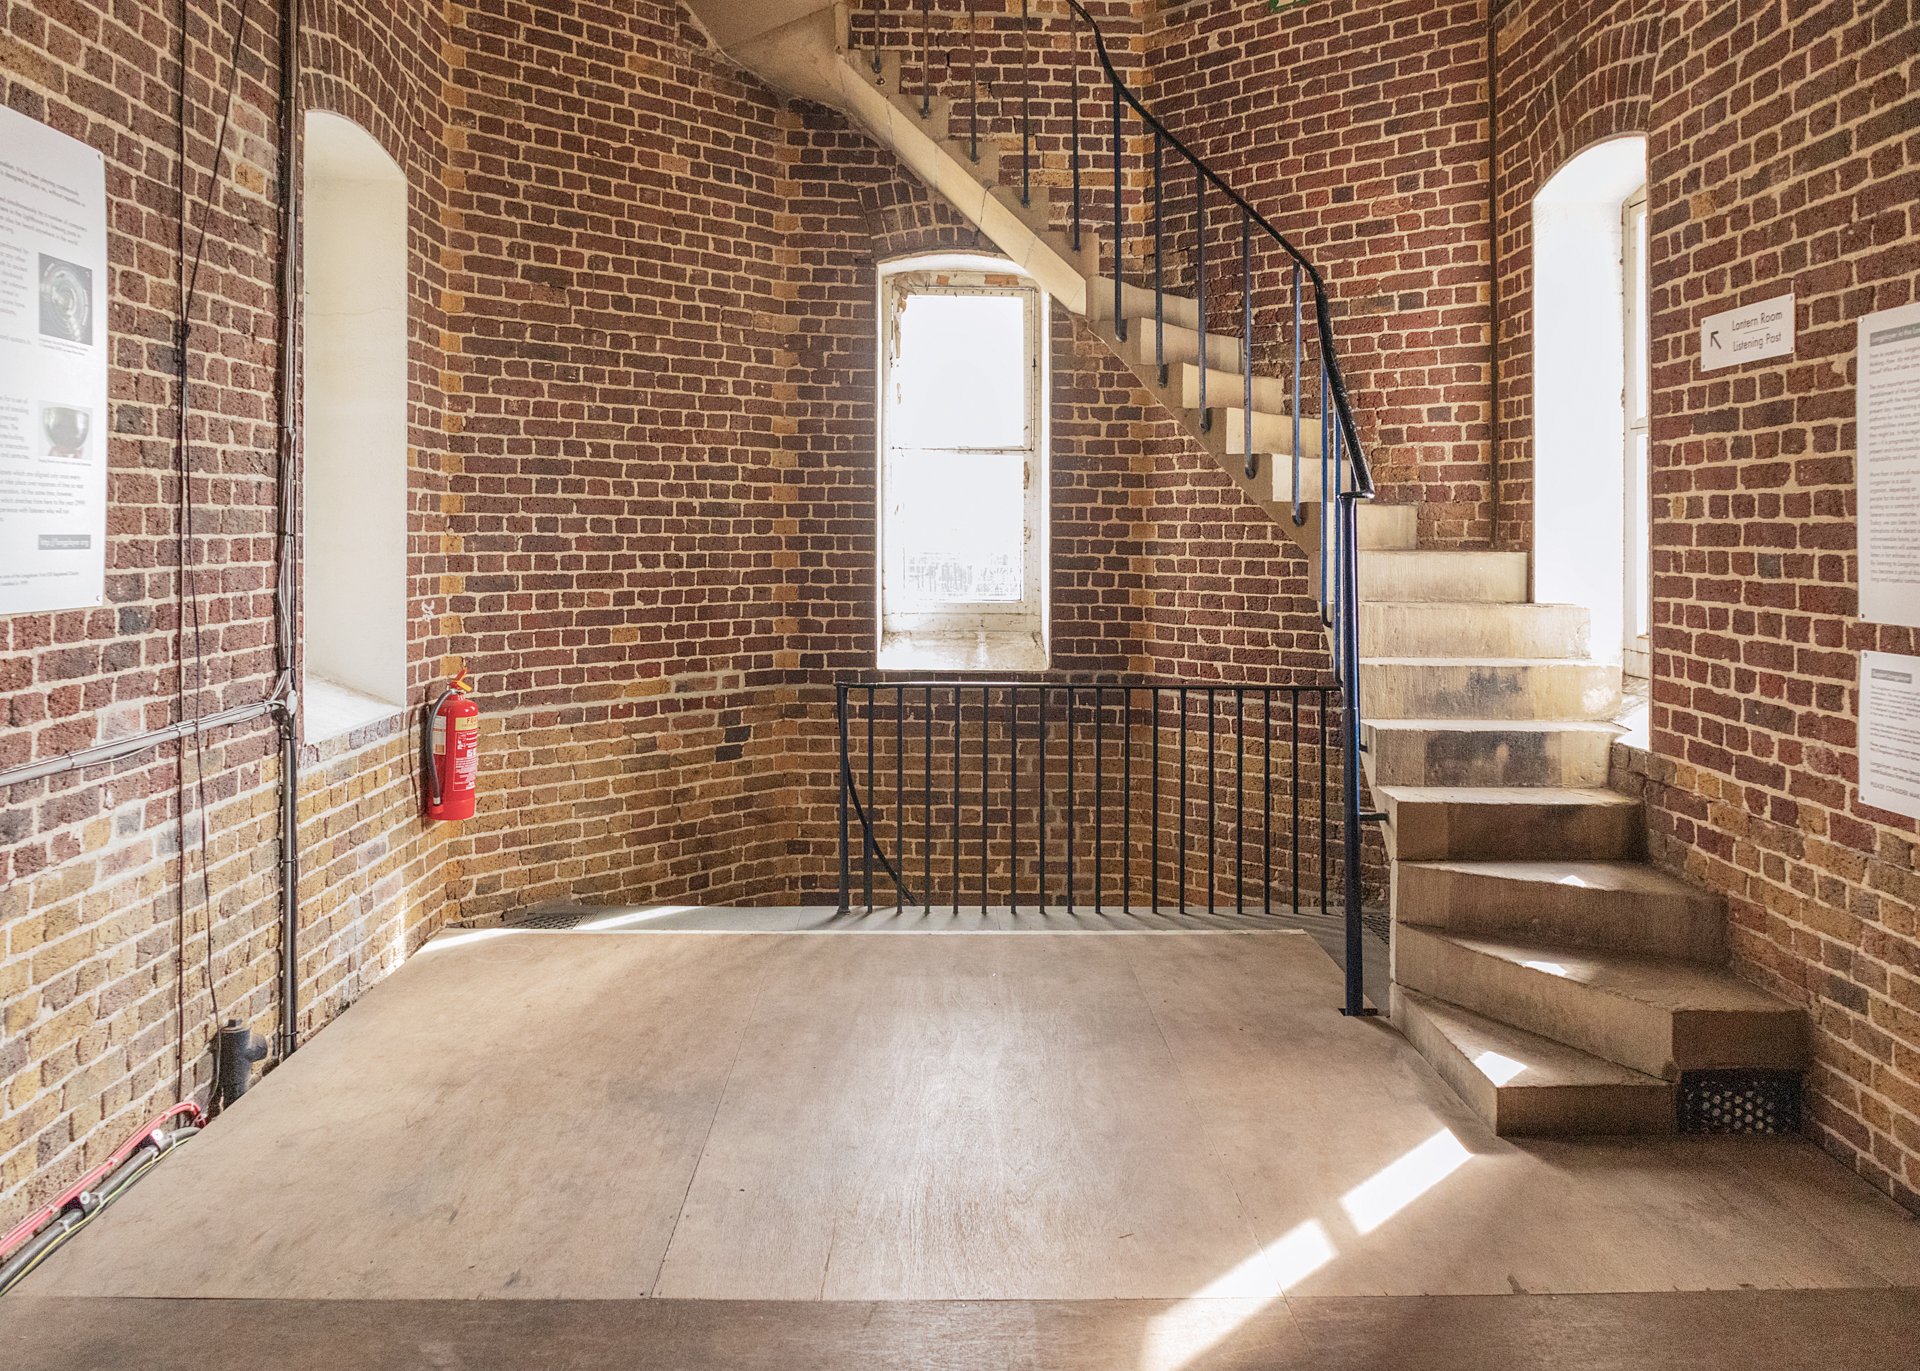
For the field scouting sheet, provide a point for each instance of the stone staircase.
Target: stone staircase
(1557, 981)
(1553, 978)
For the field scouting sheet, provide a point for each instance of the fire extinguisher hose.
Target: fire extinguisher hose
(427, 764)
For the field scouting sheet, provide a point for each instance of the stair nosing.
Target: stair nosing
(1608, 1073)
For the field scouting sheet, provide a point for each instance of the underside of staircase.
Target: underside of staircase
(1555, 979)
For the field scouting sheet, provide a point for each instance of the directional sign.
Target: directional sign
(1750, 333)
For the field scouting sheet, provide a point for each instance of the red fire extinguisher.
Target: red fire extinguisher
(453, 752)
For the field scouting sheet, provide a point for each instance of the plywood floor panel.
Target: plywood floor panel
(965, 1116)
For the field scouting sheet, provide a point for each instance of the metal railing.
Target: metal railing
(1113, 796)
(1291, 324)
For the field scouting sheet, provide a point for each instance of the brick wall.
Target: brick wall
(1783, 143)
(127, 932)
(1360, 130)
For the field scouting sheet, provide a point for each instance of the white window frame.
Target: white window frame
(978, 636)
(1636, 402)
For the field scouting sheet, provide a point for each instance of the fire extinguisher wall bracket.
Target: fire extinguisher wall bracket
(451, 753)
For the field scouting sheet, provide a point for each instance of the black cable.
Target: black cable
(187, 591)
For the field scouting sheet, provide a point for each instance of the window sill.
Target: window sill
(329, 711)
(979, 651)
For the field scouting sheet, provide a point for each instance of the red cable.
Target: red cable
(19, 1236)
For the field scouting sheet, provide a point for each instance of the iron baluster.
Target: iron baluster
(1070, 801)
(1183, 799)
(973, 81)
(986, 731)
(1026, 104)
(1099, 796)
(1126, 814)
(1013, 801)
(959, 709)
(899, 794)
(1041, 826)
(1119, 287)
(1159, 260)
(1246, 337)
(1213, 883)
(1266, 797)
(1239, 800)
(1200, 291)
(1073, 67)
(926, 806)
(1325, 735)
(1326, 506)
(1156, 799)
(1299, 509)
(1350, 742)
(866, 816)
(1293, 805)
(840, 711)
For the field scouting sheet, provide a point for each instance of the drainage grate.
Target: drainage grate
(555, 918)
(1740, 1102)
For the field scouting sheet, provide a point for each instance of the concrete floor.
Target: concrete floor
(1065, 1149)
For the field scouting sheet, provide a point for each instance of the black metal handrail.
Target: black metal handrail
(1345, 476)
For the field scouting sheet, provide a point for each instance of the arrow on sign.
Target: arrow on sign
(1714, 338)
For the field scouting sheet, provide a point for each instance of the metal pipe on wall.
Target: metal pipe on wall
(286, 603)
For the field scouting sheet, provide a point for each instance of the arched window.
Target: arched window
(963, 466)
(1591, 389)
(353, 587)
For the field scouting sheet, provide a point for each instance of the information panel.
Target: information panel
(1888, 399)
(53, 369)
(1890, 732)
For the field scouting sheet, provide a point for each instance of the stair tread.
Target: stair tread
(1435, 606)
(1625, 876)
(1496, 725)
(1665, 983)
(1511, 1058)
(1517, 796)
(1561, 663)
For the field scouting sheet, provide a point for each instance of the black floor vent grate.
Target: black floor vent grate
(556, 918)
(1740, 1102)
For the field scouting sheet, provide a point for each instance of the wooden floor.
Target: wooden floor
(1180, 1118)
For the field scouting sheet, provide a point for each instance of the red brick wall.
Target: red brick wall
(1360, 130)
(1783, 148)
(104, 941)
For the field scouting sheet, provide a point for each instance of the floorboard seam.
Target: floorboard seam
(719, 1102)
(1186, 1093)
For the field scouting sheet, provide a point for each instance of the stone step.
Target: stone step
(1509, 823)
(1486, 688)
(1229, 388)
(1524, 1085)
(1388, 629)
(1271, 433)
(1383, 528)
(1426, 576)
(1488, 752)
(1183, 345)
(1136, 302)
(1617, 906)
(1656, 1015)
